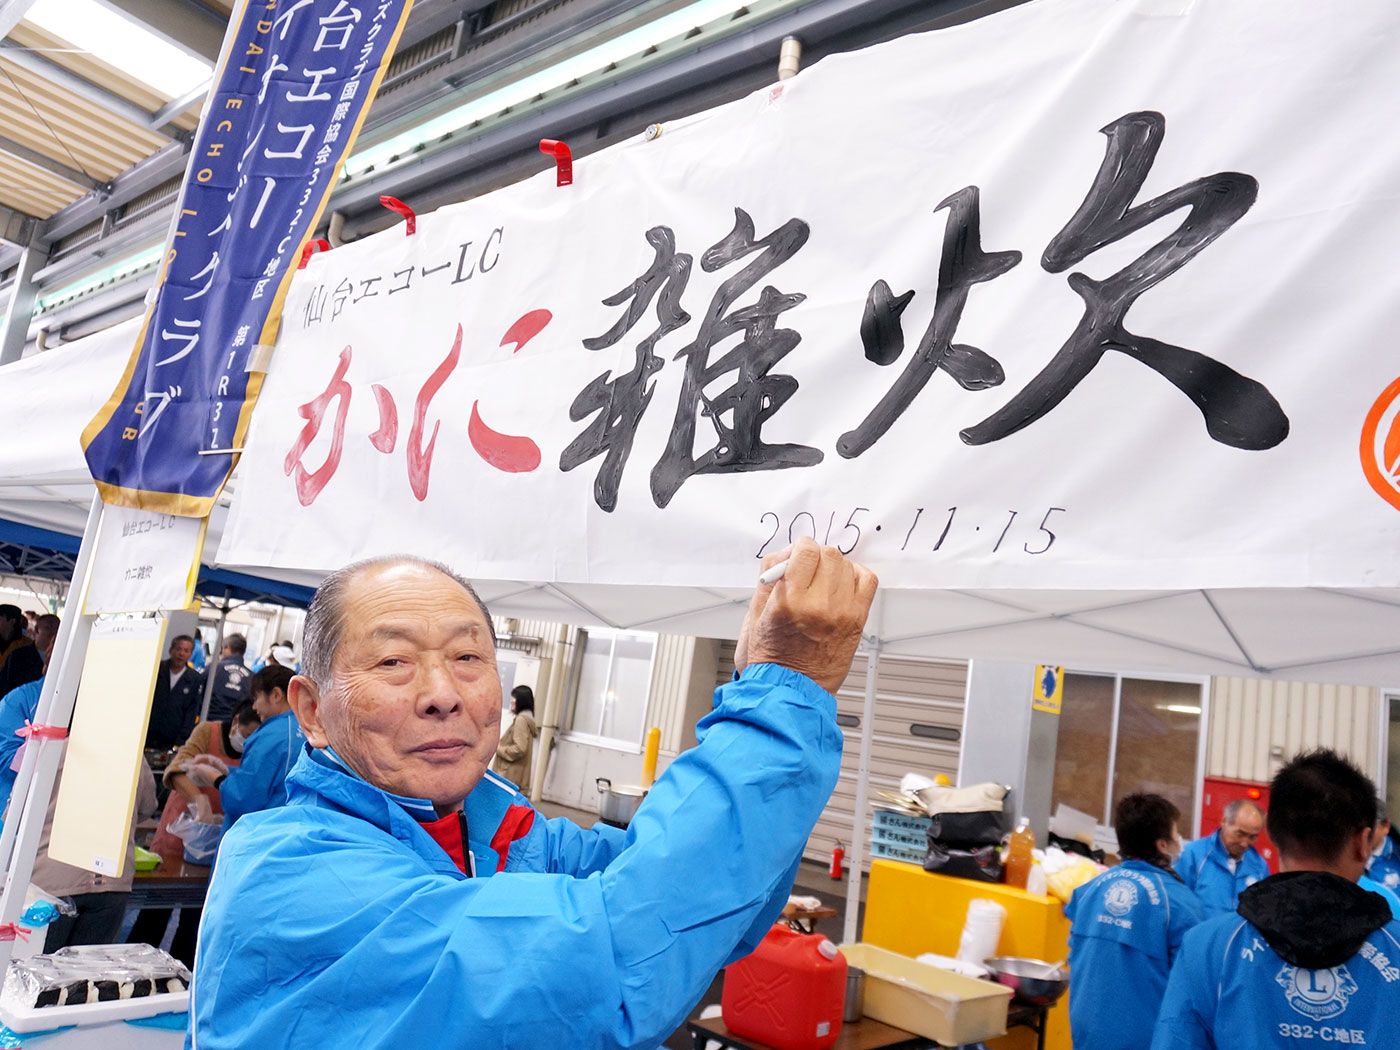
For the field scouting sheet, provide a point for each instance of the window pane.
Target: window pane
(631, 683)
(592, 683)
(1158, 725)
(1081, 748)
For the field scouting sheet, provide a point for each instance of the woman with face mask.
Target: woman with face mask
(225, 741)
(1126, 928)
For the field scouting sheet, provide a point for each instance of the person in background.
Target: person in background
(28, 662)
(1220, 865)
(1126, 927)
(517, 746)
(100, 900)
(257, 783)
(12, 628)
(1369, 881)
(17, 708)
(1310, 960)
(225, 741)
(231, 679)
(1384, 865)
(178, 697)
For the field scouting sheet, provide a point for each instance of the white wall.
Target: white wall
(1255, 726)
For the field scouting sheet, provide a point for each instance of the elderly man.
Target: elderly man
(1310, 960)
(404, 897)
(1220, 865)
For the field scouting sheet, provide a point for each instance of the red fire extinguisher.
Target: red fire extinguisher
(838, 854)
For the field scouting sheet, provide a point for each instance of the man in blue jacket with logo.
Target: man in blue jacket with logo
(1216, 868)
(405, 897)
(1126, 928)
(1311, 959)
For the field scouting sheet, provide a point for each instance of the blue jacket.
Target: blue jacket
(258, 781)
(1370, 885)
(17, 707)
(1231, 989)
(337, 919)
(1204, 867)
(1125, 929)
(1385, 867)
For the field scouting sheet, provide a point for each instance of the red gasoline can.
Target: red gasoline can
(789, 993)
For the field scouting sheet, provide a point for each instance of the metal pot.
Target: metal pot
(617, 805)
(1031, 980)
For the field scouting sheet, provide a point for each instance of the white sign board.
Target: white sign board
(145, 561)
(1086, 294)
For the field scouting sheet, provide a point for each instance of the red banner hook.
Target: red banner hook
(320, 244)
(410, 218)
(563, 160)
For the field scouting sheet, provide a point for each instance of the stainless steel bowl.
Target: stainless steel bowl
(1030, 980)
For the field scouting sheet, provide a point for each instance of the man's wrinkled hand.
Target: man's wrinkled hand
(811, 620)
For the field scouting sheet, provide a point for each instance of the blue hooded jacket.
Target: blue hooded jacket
(1384, 867)
(1311, 960)
(1126, 928)
(1204, 867)
(336, 919)
(258, 782)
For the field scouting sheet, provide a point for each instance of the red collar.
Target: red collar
(450, 832)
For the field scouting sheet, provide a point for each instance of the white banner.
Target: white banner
(144, 561)
(1086, 294)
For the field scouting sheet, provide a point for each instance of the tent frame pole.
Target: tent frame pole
(871, 645)
(34, 785)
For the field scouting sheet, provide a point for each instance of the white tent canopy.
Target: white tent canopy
(1137, 523)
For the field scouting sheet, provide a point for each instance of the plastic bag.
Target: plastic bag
(93, 973)
(201, 840)
(1076, 873)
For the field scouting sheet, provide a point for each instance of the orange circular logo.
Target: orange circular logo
(1380, 445)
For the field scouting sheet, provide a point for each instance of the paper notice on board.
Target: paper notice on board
(144, 562)
(92, 819)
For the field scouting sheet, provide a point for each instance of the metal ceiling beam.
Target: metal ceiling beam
(53, 167)
(166, 163)
(176, 106)
(14, 330)
(190, 26)
(11, 14)
(52, 71)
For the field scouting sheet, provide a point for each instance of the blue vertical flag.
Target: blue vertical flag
(293, 85)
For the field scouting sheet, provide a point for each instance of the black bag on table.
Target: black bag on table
(982, 864)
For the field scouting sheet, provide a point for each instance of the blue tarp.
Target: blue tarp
(32, 551)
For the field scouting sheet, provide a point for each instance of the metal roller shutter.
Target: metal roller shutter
(918, 729)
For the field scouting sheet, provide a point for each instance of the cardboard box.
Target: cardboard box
(946, 1007)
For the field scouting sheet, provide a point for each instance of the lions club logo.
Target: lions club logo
(1120, 898)
(1318, 994)
(1380, 445)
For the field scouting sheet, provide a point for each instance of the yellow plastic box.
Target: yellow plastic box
(946, 1007)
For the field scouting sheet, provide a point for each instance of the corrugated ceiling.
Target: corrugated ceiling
(58, 141)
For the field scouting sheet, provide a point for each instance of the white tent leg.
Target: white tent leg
(34, 786)
(856, 854)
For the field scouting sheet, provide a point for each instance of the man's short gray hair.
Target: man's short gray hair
(1232, 809)
(325, 618)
